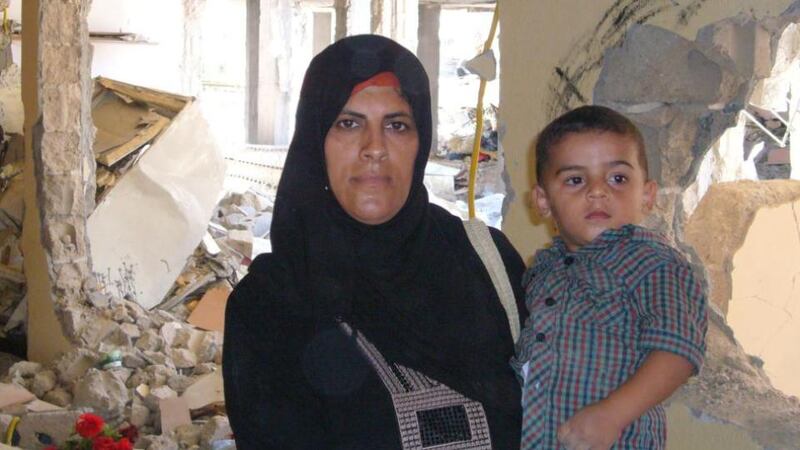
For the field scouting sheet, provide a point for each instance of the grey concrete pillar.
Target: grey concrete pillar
(428, 53)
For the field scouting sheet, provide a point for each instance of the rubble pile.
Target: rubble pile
(151, 370)
(238, 231)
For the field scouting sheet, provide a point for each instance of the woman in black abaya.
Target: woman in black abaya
(373, 324)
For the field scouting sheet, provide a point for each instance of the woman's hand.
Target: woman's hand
(595, 427)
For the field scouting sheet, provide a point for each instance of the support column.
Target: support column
(269, 24)
(191, 67)
(59, 172)
(323, 28)
(428, 53)
(352, 17)
(396, 19)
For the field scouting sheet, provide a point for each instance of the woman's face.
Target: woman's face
(369, 154)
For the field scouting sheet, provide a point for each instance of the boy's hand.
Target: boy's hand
(595, 427)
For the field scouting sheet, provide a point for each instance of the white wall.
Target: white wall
(156, 64)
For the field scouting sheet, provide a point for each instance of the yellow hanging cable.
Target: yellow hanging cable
(6, 26)
(476, 145)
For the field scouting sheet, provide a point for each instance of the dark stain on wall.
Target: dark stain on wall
(586, 56)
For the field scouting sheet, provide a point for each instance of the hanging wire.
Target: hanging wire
(476, 145)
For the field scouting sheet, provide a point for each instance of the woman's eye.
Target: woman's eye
(618, 179)
(346, 123)
(574, 181)
(398, 126)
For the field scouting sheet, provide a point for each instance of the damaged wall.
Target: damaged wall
(552, 54)
(683, 115)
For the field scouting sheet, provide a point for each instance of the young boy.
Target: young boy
(617, 318)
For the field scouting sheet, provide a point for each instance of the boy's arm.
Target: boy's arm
(599, 425)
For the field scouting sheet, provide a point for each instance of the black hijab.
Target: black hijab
(412, 285)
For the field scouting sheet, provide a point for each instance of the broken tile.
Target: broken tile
(210, 312)
(174, 413)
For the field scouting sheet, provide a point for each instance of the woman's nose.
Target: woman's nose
(374, 146)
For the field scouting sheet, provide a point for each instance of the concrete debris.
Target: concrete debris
(37, 430)
(43, 382)
(138, 256)
(102, 392)
(216, 429)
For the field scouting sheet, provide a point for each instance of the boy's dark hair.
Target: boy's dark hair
(589, 118)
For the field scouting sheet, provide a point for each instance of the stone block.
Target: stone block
(60, 152)
(59, 397)
(217, 428)
(150, 341)
(64, 23)
(61, 63)
(157, 394)
(182, 358)
(37, 430)
(158, 375)
(188, 435)
(657, 65)
(61, 104)
(73, 365)
(25, 369)
(103, 392)
(43, 382)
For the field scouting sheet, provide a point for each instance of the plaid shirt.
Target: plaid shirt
(595, 315)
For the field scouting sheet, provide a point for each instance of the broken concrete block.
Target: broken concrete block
(144, 257)
(678, 70)
(158, 442)
(131, 331)
(180, 382)
(217, 428)
(37, 430)
(139, 413)
(73, 365)
(133, 359)
(188, 435)
(174, 413)
(58, 396)
(150, 340)
(205, 368)
(103, 392)
(209, 348)
(158, 359)
(207, 390)
(158, 375)
(43, 382)
(182, 358)
(157, 394)
(25, 369)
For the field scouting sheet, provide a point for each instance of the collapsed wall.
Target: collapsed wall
(703, 107)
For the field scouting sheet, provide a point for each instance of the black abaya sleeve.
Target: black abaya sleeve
(269, 402)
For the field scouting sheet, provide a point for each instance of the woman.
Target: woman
(373, 324)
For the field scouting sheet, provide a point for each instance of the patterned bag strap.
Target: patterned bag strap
(481, 240)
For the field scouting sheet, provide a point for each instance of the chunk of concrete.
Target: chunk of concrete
(217, 428)
(43, 382)
(54, 427)
(103, 392)
(678, 71)
(140, 255)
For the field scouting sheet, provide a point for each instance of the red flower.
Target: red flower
(89, 425)
(103, 443)
(130, 432)
(123, 444)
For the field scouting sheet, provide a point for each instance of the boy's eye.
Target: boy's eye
(618, 179)
(573, 181)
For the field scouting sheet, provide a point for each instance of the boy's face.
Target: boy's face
(592, 182)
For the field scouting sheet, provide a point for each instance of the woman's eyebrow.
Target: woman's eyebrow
(398, 114)
(353, 113)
